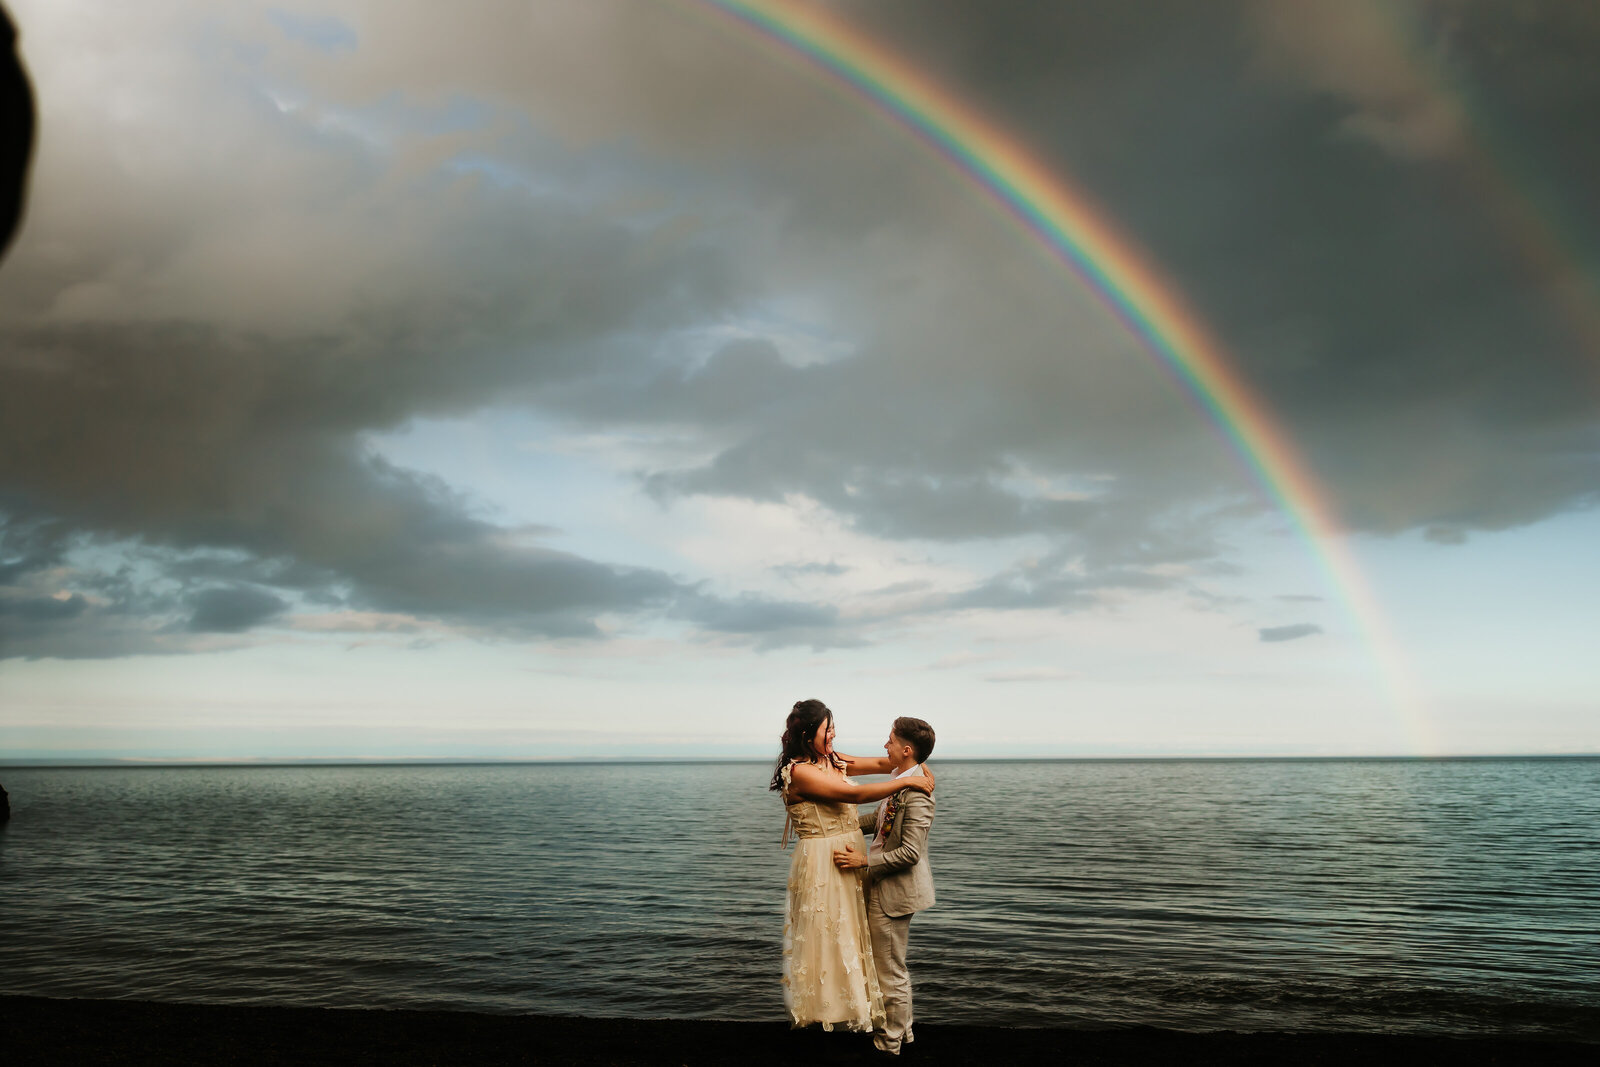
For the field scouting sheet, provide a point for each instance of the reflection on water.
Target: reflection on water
(1444, 896)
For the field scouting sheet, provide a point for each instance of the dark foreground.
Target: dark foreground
(39, 1031)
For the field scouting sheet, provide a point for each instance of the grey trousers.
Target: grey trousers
(889, 935)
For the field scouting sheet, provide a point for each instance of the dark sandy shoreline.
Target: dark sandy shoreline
(36, 1030)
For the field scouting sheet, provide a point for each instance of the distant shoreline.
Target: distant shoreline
(37, 1030)
(66, 763)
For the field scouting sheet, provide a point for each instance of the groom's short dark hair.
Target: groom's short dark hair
(917, 734)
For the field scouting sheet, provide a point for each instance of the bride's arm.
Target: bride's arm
(866, 764)
(813, 783)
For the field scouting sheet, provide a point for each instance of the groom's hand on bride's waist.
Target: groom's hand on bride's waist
(848, 858)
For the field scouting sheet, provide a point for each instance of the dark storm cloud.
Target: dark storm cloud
(1342, 218)
(233, 609)
(1272, 634)
(34, 609)
(29, 545)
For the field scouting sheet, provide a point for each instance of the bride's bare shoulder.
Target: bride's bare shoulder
(799, 768)
(808, 771)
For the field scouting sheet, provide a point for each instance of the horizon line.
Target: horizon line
(86, 763)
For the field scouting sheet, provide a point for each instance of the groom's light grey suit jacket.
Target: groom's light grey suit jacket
(899, 873)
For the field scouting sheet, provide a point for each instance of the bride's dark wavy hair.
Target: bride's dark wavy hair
(806, 719)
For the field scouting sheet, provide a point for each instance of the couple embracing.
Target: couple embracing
(850, 904)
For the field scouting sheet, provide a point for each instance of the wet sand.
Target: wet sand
(45, 1031)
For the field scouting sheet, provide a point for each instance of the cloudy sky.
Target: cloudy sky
(592, 377)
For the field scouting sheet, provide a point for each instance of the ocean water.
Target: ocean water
(1454, 897)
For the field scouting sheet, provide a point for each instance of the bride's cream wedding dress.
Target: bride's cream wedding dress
(828, 974)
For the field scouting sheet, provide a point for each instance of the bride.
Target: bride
(828, 973)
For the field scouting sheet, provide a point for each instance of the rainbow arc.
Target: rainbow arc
(1083, 239)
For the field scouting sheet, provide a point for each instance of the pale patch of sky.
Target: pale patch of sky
(1522, 626)
(522, 469)
(796, 325)
(1030, 482)
(382, 125)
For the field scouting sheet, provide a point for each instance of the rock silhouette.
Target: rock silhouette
(16, 131)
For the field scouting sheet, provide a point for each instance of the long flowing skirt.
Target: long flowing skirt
(828, 973)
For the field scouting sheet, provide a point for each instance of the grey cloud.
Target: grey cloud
(232, 609)
(94, 636)
(1055, 583)
(762, 623)
(33, 609)
(887, 502)
(1391, 101)
(210, 406)
(392, 539)
(906, 458)
(102, 615)
(1293, 632)
(749, 614)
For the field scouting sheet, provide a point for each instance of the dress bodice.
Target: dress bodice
(819, 818)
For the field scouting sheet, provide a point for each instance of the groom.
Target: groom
(899, 879)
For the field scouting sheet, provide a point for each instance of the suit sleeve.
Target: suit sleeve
(913, 838)
(868, 821)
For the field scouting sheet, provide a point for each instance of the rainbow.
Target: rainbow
(1065, 221)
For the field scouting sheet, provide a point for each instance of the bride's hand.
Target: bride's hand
(924, 783)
